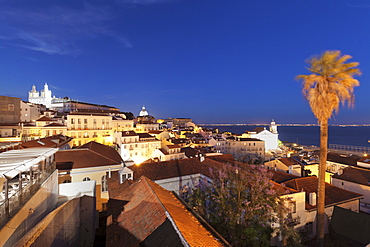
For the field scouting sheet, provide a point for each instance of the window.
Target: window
(79, 121)
(86, 179)
(73, 121)
(10, 107)
(123, 178)
(67, 181)
(85, 121)
(104, 184)
(292, 206)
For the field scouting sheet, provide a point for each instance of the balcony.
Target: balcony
(19, 191)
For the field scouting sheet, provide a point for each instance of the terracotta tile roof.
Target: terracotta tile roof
(355, 175)
(44, 119)
(225, 158)
(258, 129)
(175, 168)
(140, 209)
(163, 151)
(250, 140)
(333, 194)
(155, 132)
(343, 159)
(55, 125)
(129, 133)
(281, 189)
(29, 124)
(144, 135)
(90, 112)
(51, 141)
(281, 177)
(189, 152)
(104, 150)
(290, 161)
(173, 146)
(91, 156)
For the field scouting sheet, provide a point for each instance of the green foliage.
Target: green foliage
(239, 203)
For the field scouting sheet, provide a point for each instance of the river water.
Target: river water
(310, 135)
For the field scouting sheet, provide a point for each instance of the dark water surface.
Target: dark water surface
(309, 135)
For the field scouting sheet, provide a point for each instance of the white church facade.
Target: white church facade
(44, 97)
(269, 136)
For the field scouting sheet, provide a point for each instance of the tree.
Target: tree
(240, 203)
(331, 82)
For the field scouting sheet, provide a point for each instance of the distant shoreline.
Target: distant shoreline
(340, 125)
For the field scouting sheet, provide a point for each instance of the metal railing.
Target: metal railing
(350, 149)
(21, 195)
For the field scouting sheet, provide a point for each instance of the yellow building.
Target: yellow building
(86, 127)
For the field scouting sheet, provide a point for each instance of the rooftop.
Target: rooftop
(14, 161)
(333, 194)
(143, 214)
(176, 168)
(91, 154)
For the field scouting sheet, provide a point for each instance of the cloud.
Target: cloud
(56, 29)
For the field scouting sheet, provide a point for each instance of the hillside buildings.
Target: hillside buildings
(63, 104)
(136, 146)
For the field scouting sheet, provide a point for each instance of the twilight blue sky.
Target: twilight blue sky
(216, 61)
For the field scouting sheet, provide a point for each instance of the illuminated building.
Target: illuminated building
(245, 149)
(169, 152)
(270, 137)
(44, 97)
(136, 146)
(86, 127)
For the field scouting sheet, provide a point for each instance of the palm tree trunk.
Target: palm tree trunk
(321, 182)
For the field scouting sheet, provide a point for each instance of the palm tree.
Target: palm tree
(331, 82)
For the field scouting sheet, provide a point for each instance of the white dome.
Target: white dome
(143, 112)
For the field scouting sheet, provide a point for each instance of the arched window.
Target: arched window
(67, 181)
(86, 179)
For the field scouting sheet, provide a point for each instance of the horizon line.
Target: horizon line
(264, 124)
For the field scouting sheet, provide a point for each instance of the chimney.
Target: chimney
(312, 198)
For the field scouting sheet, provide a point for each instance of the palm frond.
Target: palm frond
(330, 83)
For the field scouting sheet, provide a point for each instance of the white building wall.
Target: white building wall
(182, 184)
(354, 187)
(271, 140)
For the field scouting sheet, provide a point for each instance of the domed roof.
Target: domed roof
(143, 112)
